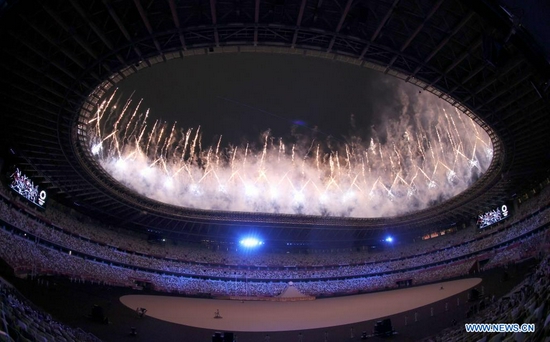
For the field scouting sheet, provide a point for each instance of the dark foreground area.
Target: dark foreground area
(71, 303)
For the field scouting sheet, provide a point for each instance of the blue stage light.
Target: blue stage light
(251, 242)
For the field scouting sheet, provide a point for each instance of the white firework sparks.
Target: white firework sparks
(423, 159)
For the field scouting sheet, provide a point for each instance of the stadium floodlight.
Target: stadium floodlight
(251, 242)
(389, 239)
(96, 148)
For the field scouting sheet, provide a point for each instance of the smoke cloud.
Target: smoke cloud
(421, 152)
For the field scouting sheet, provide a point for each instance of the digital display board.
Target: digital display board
(25, 187)
(493, 216)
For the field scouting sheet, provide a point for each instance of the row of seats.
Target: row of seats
(24, 323)
(30, 224)
(23, 253)
(129, 241)
(529, 302)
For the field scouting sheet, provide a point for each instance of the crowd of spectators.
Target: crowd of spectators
(99, 257)
(130, 241)
(23, 322)
(528, 302)
(38, 258)
(53, 234)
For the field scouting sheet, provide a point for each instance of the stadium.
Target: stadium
(76, 237)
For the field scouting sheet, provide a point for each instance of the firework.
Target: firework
(423, 159)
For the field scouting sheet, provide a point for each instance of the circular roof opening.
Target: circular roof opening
(284, 134)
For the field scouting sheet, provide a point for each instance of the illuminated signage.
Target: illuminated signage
(493, 216)
(25, 187)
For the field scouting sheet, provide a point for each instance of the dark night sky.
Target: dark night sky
(242, 95)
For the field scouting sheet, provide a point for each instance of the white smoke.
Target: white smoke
(429, 153)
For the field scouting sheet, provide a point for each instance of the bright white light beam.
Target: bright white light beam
(251, 242)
